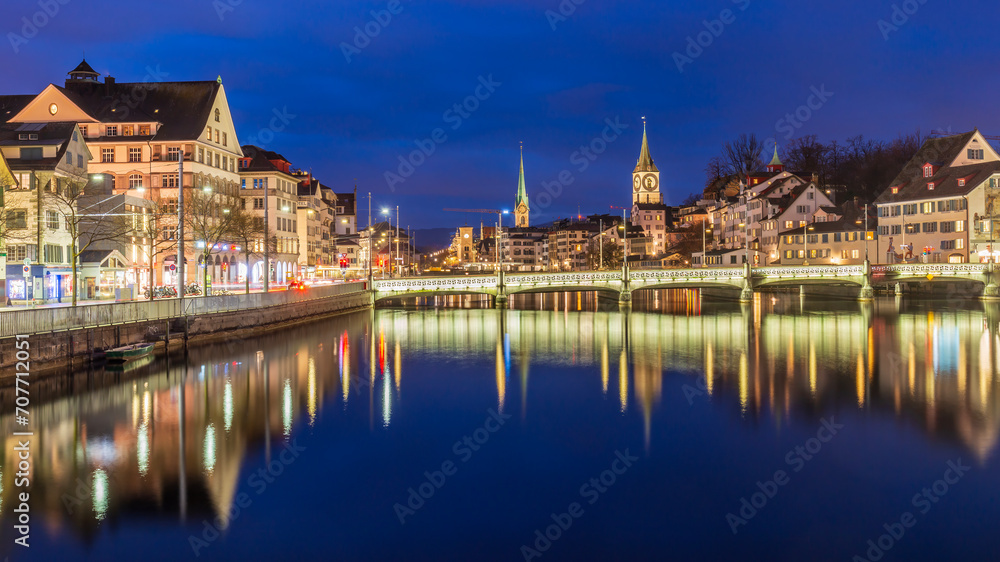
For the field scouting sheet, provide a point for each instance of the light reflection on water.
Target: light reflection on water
(929, 366)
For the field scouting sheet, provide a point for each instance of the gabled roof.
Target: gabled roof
(49, 134)
(182, 108)
(911, 185)
(12, 105)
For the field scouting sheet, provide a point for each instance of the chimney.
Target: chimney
(816, 178)
(109, 85)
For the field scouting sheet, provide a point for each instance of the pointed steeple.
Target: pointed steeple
(775, 165)
(522, 192)
(645, 163)
(776, 161)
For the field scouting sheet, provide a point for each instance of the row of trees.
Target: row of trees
(98, 220)
(864, 166)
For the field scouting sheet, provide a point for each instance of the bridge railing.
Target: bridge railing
(57, 319)
(921, 269)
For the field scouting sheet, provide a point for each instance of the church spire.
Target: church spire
(645, 162)
(775, 165)
(522, 192)
(522, 207)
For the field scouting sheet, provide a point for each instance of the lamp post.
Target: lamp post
(704, 245)
(805, 260)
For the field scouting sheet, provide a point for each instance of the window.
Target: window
(69, 158)
(975, 154)
(144, 130)
(52, 220)
(928, 171)
(209, 133)
(224, 141)
(855, 254)
(169, 180)
(201, 154)
(17, 218)
(895, 190)
(258, 203)
(52, 254)
(811, 195)
(897, 229)
(111, 131)
(959, 226)
(135, 181)
(217, 161)
(216, 136)
(826, 238)
(79, 160)
(961, 182)
(107, 155)
(930, 227)
(930, 186)
(169, 233)
(960, 244)
(174, 153)
(883, 231)
(135, 154)
(896, 210)
(83, 131)
(170, 206)
(928, 208)
(947, 244)
(31, 153)
(128, 130)
(218, 115)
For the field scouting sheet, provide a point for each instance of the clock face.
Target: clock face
(53, 109)
(523, 208)
(636, 183)
(650, 182)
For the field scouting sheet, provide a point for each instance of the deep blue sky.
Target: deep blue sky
(607, 60)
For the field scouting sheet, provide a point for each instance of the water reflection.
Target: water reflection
(174, 439)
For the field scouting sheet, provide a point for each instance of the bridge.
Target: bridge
(747, 279)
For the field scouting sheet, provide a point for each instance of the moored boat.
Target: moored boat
(129, 352)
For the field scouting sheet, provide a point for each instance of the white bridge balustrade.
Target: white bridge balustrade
(747, 279)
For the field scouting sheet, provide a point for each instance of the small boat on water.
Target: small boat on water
(129, 366)
(129, 352)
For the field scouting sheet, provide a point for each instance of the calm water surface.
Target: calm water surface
(805, 426)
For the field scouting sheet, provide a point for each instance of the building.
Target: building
(47, 163)
(347, 213)
(141, 135)
(525, 249)
(569, 243)
(463, 246)
(940, 208)
(270, 187)
(842, 242)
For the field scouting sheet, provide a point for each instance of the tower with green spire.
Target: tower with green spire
(646, 177)
(775, 165)
(521, 206)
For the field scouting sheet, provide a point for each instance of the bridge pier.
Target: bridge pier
(625, 299)
(992, 291)
(500, 301)
(867, 293)
(746, 295)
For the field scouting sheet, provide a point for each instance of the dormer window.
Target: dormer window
(928, 170)
(930, 186)
(895, 190)
(961, 182)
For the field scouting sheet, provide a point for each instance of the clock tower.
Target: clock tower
(646, 177)
(521, 208)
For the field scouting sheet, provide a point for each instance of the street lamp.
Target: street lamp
(704, 246)
(805, 260)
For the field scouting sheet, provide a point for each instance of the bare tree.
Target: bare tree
(742, 156)
(208, 216)
(159, 233)
(611, 258)
(89, 219)
(248, 230)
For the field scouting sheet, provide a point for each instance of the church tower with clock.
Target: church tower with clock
(521, 206)
(646, 177)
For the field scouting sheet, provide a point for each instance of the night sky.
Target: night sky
(557, 87)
